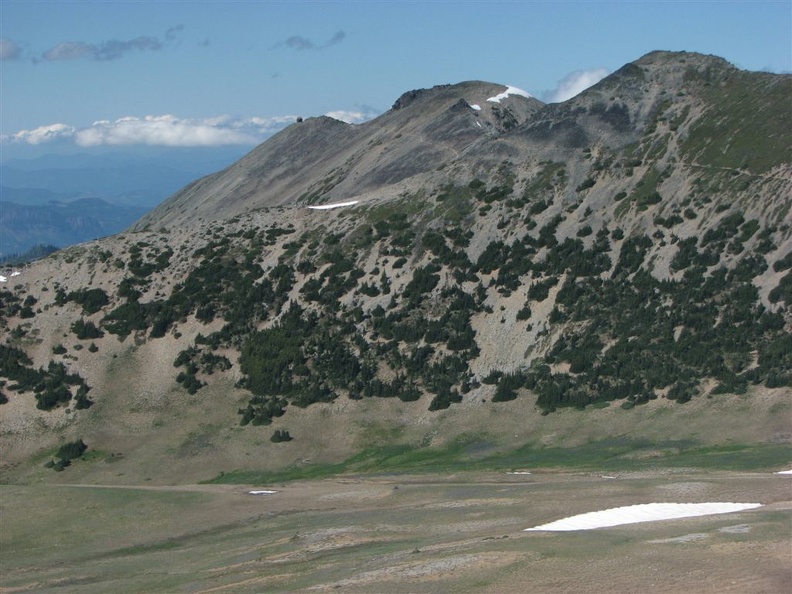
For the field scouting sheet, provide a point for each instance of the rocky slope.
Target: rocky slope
(497, 266)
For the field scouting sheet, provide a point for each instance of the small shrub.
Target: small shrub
(65, 454)
(86, 330)
(280, 435)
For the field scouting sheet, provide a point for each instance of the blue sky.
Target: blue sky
(185, 73)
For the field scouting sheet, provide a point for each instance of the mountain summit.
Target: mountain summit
(688, 103)
(488, 277)
(322, 159)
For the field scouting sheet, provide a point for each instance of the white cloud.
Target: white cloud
(107, 50)
(43, 134)
(69, 50)
(352, 117)
(163, 130)
(170, 130)
(9, 50)
(575, 83)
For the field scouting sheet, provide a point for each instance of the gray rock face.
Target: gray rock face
(664, 101)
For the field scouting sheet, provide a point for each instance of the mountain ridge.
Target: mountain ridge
(428, 127)
(422, 142)
(617, 253)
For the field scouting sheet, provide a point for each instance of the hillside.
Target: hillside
(504, 276)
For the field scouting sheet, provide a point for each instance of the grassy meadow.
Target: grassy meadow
(460, 531)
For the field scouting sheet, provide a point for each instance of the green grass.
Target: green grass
(408, 205)
(68, 517)
(454, 204)
(612, 454)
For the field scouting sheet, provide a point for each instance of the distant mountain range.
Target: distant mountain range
(64, 199)
(61, 223)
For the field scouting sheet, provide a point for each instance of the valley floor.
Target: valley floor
(461, 532)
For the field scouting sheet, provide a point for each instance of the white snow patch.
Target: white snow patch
(510, 90)
(476, 106)
(261, 492)
(337, 205)
(16, 273)
(3, 279)
(646, 512)
(784, 472)
(519, 472)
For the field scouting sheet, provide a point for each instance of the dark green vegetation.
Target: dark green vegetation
(626, 335)
(91, 300)
(280, 435)
(36, 252)
(66, 453)
(52, 387)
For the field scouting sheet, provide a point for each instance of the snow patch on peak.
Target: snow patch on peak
(476, 107)
(510, 90)
(336, 205)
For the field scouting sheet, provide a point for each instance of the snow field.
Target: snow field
(634, 514)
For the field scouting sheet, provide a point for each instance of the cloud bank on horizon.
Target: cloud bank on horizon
(225, 130)
(169, 130)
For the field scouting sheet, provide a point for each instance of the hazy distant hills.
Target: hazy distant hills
(61, 223)
(63, 199)
(147, 176)
(488, 271)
